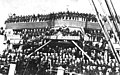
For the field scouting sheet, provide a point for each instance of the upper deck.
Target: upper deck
(69, 23)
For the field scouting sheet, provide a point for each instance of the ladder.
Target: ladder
(113, 15)
(113, 27)
(103, 27)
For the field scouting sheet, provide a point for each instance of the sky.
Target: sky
(29, 7)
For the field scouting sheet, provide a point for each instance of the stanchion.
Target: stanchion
(12, 69)
(60, 71)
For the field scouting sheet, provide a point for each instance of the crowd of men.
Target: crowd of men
(68, 15)
(47, 60)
